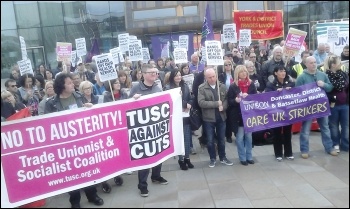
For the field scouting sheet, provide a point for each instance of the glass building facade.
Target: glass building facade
(43, 23)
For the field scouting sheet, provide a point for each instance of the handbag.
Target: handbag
(195, 118)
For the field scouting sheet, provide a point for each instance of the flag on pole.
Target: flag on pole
(207, 28)
(95, 50)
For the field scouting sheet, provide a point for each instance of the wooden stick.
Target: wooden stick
(110, 86)
(217, 81)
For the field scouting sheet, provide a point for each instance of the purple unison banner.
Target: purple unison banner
(159, 44)
(51, 154)
(280, 108)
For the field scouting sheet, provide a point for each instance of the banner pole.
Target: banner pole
(110, 86)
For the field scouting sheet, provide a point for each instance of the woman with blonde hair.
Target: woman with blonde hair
(241, 87)
(89, 99)
(339, 103)
(9, 98)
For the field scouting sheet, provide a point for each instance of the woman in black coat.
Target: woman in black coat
(281, 81)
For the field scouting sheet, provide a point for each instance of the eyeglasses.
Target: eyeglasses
(49, 87)
(235, 51)
(12, 86)
(116, 83)
(87, 89)
(228, 65)
(152, 73)
(253, 57)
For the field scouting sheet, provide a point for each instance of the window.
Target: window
(321, 11)
(51, 13)
(10, 51)
(190, 10)
(298, 13)
(250, 5)
(27, 14)
(155, 13)
(340, 9)
(52, 35)
(31, 36)
(7, 11)
(73, 11)
(97, 11)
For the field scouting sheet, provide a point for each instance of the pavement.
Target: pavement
(320, 181)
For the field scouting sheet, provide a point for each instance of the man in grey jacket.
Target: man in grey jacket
(147, 86)
(214, 107)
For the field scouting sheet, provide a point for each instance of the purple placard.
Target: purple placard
(280, 108)
(159, 44)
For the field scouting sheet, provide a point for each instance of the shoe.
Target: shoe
(336, 148)
(250, 161)
(188, 162)
(229, 139)
(305, 155)
(279, 159)
(160, 180)
(193, 151)
(290, 157)
(76, 205)
(244, 163)
(212, 163)
(333, 153)
(226, 161)
(97, 200)
(183, 165)
(144, 192)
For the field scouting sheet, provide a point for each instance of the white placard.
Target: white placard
(121, 57)
(183, 42)
(105, 67)
(74, 57)
(80, 46)
(332, 34)
(188, 79)
(229, 32)
(180, 55)
(25, 66)
(23, 48)
(245, 37)
(132, 37)
(214, 53)
(123, 40)
(145, 55)
(223, 39)
(135, 50)
(115, 53)
(176, 44)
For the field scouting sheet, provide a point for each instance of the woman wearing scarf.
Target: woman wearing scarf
(241, 87)
(339, 103)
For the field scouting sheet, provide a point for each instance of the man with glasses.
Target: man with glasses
(236, 57)
(147, 86)
(11, 86)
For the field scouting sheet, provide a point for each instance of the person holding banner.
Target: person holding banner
(65, 99)
(283, 134)
(339, 102)
(175, 80)
(241, 87)
(311, 74)
(85, 88)
(144, 87)
(213, 102)
(255, 77)
(117, 93)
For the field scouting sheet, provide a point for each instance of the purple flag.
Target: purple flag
(281, 108)
(95, 50)
(207, 28)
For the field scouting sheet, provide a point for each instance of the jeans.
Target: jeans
(90, 192)
(325, 135)
(340, 116)
(244, 144)
(209, 128)
(187, 141)
(143, 175)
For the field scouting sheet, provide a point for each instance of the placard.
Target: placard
(183, 41)
(23, 48)
(188, 79)
(333, 34)
(64, 51)
(213, 53)
(115, 53)
(145, 55)
(123, 40)
(135, 50)
(180, 55)
(25, 66)
(245, 38)
(105, 67)
(80, 45)
(229, 32)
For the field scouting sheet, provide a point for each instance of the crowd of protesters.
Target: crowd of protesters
(244, 73)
